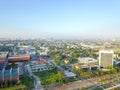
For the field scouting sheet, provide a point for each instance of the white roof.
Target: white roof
(69, 74)
(106, 51)
(87, 60)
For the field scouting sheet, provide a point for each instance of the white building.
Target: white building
(38, 67)
(87, 60)
(69, 74)
(106, 58)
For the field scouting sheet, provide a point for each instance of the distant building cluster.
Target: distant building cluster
(7, 70)
(39, 60)
(22, 53)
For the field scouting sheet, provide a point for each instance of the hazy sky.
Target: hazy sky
(60, 18)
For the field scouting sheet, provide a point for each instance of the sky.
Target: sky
(60, 19)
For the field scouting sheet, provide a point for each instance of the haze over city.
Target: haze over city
(59, 45)
(61, 19)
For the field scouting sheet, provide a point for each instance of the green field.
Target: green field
(50, 77)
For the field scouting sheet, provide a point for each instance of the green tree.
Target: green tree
(57, 59)
(76, 55)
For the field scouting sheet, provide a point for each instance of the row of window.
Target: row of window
(41, 69)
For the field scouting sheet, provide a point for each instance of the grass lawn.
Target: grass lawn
(15, 87)
(50, 77)
(45, 75)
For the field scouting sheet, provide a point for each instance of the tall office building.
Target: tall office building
(105, 58)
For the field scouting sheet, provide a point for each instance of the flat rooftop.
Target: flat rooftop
(69, 74)
(87, 60)
(106, 51)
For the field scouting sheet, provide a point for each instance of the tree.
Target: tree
(57, 59)
(60, 76)
(113, 71)
(76, 55)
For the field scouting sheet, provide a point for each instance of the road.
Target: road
(38, 85)
(113, 87)
(60, 68)
(50, 58)
(85, 83)
(63, 70)
(75, 85)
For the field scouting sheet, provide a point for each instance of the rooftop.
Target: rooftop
(106, 51)
(87, 60)
(69, 74)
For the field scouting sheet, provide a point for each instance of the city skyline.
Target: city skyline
(61, 19)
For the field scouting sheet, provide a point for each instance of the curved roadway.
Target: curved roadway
(37, 79)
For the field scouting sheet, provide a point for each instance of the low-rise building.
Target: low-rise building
(38, 67)
(87, 64)
(69, 74)
(87, 60)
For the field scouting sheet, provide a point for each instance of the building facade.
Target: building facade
(9, 74)
(106, 58)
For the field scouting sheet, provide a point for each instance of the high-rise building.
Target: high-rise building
(106, 58)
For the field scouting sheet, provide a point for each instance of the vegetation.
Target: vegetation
(18, 87)
(50, 77)
(118, 88)
(24, 83)
(90, 74)
(71, 55)
(57, 59)
(7, 84)
(27, 81)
